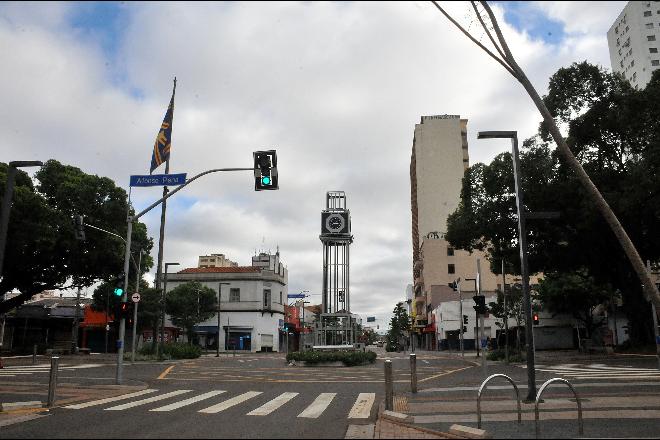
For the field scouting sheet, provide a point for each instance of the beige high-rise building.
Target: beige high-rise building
(215, 260)
(437, 165)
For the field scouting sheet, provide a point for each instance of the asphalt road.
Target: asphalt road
(247, 396)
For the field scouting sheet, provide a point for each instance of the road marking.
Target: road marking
(145, 401)
(186, 402)
(317, 407)
(271, 406)
(166, 372)
(110, 399)
(442, 374)
(229, 403)
(362, 407)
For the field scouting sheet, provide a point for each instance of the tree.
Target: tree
(591, 193)
(399, 323)
(615, 133)
(577, 294)
(514, 309)
(42, 252)
(189, 304)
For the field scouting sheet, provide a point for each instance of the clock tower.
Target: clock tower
(336, 326)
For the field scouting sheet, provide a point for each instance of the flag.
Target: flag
(163, 142)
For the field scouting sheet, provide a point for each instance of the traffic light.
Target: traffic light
(119, 285)
(465, 319)
(454, 286)
(535, 319)
(79, 227)
(480, 304)
(123, 310)
(265, 170)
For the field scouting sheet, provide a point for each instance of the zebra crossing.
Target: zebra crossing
(25, 370)
(599, 372)
(361, 408)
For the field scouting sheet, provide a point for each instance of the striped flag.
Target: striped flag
(163, 142)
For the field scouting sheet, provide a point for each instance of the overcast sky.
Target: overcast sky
(335, 88)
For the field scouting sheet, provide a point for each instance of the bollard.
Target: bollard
(389, 392)
(52, 383)
(34, 354)
(413, 373)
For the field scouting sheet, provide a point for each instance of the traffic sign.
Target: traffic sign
(136, 297)
(158, 180)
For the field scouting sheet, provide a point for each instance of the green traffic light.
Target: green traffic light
(265, 180)
(119, 291)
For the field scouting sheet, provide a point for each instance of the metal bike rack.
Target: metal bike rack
(483, 386)
(538, 398)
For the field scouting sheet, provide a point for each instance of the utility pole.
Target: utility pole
(481, 322)
(76, 324)
(460, 302)
(506, 318)
(217, 349)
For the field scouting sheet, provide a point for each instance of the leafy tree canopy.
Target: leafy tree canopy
(42, 252)
(614, 131)
(189, 304)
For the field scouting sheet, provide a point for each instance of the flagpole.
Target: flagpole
(161, 240)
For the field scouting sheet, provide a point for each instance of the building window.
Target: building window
(234, 295)
(632, 63)
(649, 25)
(647, 13)
(634, 77)
(650, 37)
(451, 268)
(450, 251)
(653, 49)
(281, 298)
(266, 298)
(655, 62)
(621, 64)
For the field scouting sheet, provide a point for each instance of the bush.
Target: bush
(173, 350)
(348, 358)
(499, 355)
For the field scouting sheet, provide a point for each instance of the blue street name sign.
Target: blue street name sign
(296, 295)
(371, 319)
(159, 180)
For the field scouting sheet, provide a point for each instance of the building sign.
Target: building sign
(435, 235)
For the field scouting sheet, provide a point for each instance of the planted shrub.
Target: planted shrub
(173, 350)
(348, 358)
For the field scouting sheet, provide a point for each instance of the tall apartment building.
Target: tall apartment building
(438, 161)
(634, 42)
(215, 260)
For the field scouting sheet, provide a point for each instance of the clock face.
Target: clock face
(335, 223)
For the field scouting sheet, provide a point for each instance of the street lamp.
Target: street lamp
(4, 220)
(162, 310)
(217, 348)
(522, 239)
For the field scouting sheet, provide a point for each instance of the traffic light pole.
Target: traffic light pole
(460, 324)
(129, 229)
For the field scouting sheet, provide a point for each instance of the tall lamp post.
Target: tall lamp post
(4, 220)
(522, 239)
(217, 348)
(162, 310)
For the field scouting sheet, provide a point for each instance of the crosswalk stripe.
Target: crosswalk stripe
(362, 407)
(148, 400)
(110, 399)
(231, 402)
(271, 406)
(186, 402)
(317, 407)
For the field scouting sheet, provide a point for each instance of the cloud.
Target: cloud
(336, 88)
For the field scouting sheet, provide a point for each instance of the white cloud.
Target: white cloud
(336, 87)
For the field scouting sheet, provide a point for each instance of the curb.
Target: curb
(19, 407)
(381, 417)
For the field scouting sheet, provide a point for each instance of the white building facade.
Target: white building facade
(634, 42)
(252, 300)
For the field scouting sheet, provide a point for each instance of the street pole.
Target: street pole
(656, 330)
(129, 228)
(522, 239)
(217, 349)
(460, 321)
(162, 309)
(138, 277)
(76, 324)
(506, 318)
(484, 365)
